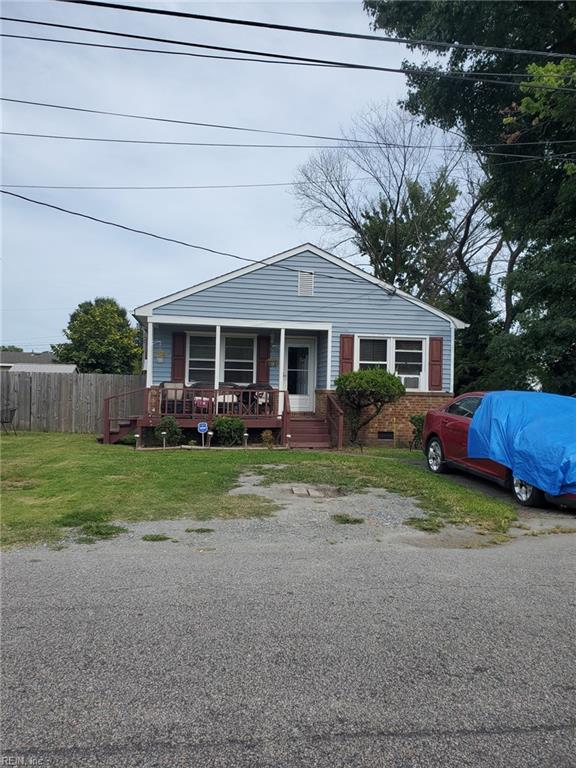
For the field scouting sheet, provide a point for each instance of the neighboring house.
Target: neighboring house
(267, 341)
(33, 362)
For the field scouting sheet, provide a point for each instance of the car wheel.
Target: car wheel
(435, 456)
(527, 495)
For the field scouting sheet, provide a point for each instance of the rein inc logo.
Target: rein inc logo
(21, 760)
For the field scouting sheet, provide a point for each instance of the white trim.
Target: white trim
(225, 322)
(254, 338)
(391, 353)
(329, 382)
(451, 359)
(147, 309)
(312, 343)
(198, 333)
(217, 362)
(281, 361)
(150, 351)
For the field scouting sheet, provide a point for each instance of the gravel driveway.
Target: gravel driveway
(291, 641)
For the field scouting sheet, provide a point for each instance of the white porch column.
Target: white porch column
(281, 366)
(329, 360)
(149, 353)
(217, 360)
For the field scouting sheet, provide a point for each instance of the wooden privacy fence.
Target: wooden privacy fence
(62, 402)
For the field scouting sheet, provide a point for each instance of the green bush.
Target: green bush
(228, 430)
(364, 393)
(169, 425)
(417, 421)
(129, 439)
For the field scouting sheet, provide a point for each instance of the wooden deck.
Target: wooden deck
(259, 408)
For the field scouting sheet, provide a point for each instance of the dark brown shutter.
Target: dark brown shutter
(262, 357)
(179, 356)
(435, 354)
(346, 352)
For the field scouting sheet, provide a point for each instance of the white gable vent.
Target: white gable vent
(305, 283)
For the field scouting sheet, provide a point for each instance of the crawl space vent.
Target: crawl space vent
(305, 283)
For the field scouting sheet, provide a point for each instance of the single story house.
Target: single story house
(33, 362)
(267, 341)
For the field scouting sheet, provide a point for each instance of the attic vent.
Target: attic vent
(305, 283)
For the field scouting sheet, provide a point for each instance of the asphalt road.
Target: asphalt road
(267, 644)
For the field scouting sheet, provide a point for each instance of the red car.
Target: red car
(445, 441)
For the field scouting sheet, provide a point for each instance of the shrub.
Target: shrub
(268, 439)
(169, 425)
(129, 439)
(417, 421)
(228, 430)
(364, 393)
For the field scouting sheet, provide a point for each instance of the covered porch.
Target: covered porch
(267, 374)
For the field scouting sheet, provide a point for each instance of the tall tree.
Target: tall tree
(100, 339)
(524, 133)
(10, 348)
(415, 211)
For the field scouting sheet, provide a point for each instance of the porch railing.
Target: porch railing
(125, 405)
(286, 418)
(192, 402)
(335, 419)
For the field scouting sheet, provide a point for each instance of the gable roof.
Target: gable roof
(145, 310)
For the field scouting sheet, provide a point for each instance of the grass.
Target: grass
(155, 537)
(344, 519)
(53, 482)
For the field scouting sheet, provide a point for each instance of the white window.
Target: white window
(201, 360)
(404, 357)
(239, 363)
(409, 362)
(373, 353)
(305, 283)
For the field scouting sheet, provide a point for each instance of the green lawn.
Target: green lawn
(52, 483)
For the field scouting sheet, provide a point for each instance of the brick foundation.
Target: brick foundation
(395, 418)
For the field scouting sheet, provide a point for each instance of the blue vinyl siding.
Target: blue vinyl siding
(351, 305)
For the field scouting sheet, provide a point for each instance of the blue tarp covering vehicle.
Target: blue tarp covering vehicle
(531, 433)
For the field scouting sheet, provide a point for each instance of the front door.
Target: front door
(300, 373)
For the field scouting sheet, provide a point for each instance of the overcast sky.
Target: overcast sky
(52, 261)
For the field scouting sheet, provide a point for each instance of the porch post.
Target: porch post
(217, 360)
(150, 353)
(329, 359)
(281, 369)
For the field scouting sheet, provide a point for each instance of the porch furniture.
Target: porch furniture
(172, 397)
(7, 418)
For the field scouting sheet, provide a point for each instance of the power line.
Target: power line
(167, 53)
(168, 239)
(316, 31)
(177, 143)
(304, 62)
(152, 142)
(181, 122)
(459, 77)
(222, 126)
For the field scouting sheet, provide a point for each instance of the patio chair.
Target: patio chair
(172, 396)
(7, 418)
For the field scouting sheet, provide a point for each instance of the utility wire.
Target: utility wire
(169, 53)
(152, 142)
(183, 122)
(169, 239)
(247, 129)
(316, 31)
(482, 76)
(459, 77)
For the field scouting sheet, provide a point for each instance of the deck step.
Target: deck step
(309, 431)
